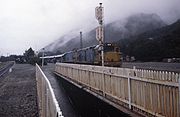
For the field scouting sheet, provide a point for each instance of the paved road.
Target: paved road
(18, 97)
(62, 98)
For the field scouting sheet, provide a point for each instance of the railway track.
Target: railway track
(5, 68)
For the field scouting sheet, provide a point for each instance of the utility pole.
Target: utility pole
(81, 43)
(43, 58)
(100, 31)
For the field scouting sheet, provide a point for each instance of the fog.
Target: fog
(36, 23)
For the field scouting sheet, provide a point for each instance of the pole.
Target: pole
(81, 44)
(43, 58)
(102, 45)
(100, 32)
(129, 90)
(102, 37)
(179, 96)
(102, 53)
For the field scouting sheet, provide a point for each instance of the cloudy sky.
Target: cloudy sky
(36, 23)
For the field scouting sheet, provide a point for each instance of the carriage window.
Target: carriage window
(108, 48)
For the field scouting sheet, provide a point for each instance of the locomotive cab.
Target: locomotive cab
(112, 55)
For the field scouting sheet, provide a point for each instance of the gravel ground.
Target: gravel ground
(18, 96)
(173, 67)
(2, 64)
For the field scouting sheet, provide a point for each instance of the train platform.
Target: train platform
(18, 97)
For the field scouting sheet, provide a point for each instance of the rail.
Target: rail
(147, 92)
(47, 103)
(6, 67)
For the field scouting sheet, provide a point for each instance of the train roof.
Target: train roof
(87, 47)
(61, 55)
(54, 56)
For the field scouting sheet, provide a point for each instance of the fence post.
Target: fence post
(47, 103)
(103, 77)
(179, 96)
(129, 89)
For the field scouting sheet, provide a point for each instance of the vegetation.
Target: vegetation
(29, 57)
(139, 39)
(114, 32)
(154, 45)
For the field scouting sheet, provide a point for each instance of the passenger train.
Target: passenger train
(91, 55)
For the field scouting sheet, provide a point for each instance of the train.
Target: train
(91, 55)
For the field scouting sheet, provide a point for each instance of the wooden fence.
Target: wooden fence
(148, 92)
(47, 103)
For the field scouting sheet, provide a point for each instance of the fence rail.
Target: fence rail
(48, 105)
(148, 92)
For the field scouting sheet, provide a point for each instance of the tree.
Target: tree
(30, 56)
(29, 53)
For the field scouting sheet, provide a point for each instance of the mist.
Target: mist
(36, 23)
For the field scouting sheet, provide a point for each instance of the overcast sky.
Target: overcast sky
(36, 23)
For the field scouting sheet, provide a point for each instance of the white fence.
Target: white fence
(47, 103)
(150, 93)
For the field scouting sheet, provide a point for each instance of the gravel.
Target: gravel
(18, 94)
(171, 67)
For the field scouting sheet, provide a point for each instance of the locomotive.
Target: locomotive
(91, 55)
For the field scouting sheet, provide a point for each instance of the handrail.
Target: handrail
(47, 102)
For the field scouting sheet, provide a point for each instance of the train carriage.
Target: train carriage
(92, 55)
(68, 57)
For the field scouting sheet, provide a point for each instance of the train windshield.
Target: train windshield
(108, 48)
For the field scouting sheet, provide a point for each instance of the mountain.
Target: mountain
(117, 30)
(154, 45)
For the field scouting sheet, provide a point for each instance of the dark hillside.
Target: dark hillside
(131, 26)
(154, 45)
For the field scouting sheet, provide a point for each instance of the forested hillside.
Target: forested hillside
(154, 45)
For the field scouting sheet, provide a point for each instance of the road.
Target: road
(62, 98)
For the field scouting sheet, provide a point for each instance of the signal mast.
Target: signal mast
(100, 31)
(81, 43)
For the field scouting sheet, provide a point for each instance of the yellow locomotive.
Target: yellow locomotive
(112, 55)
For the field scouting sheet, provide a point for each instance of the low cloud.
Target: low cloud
(36, 23)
